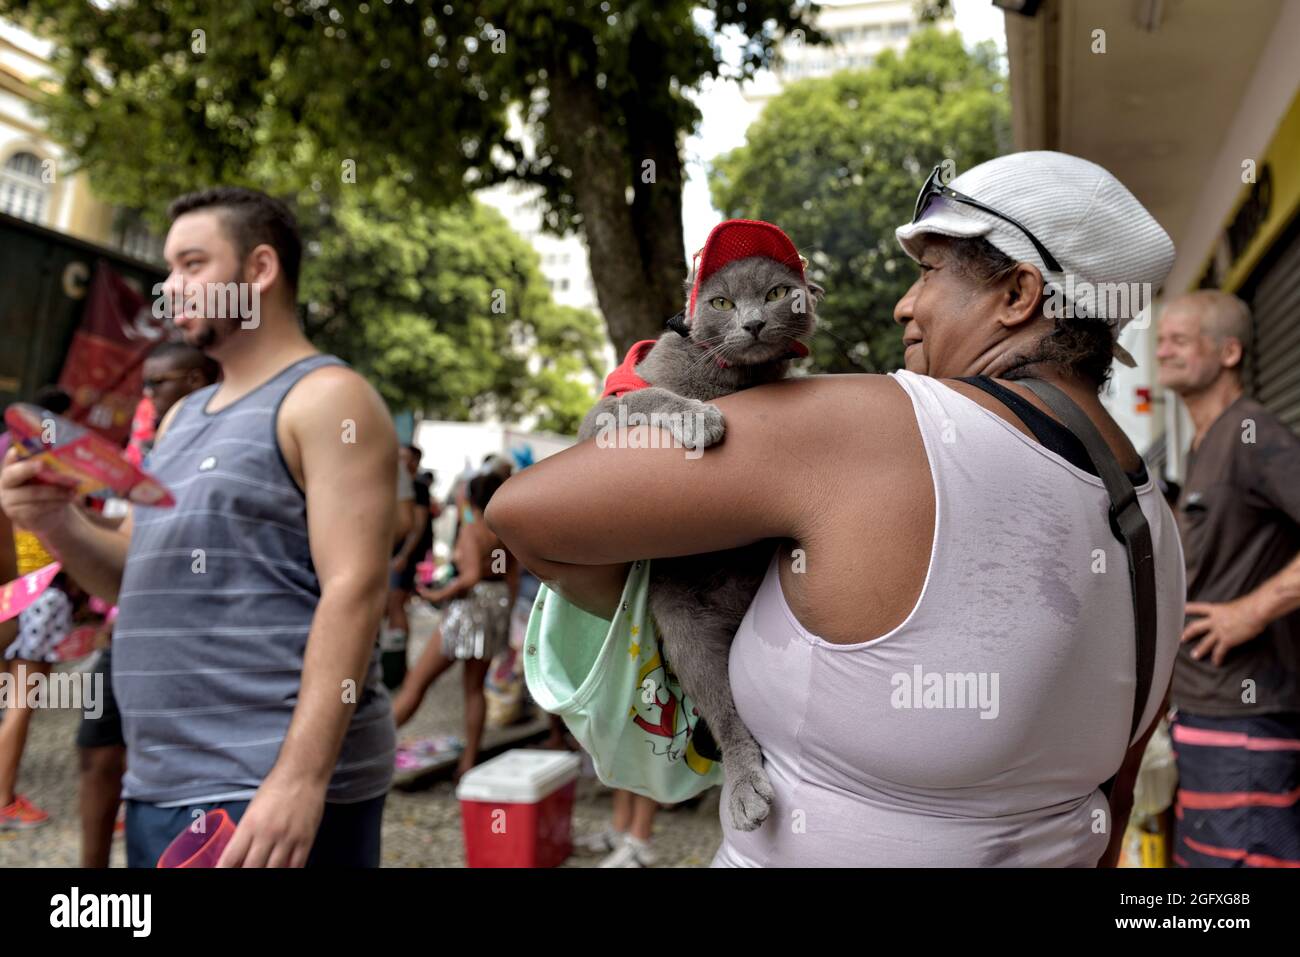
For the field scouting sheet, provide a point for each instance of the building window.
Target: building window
(22, 192)
(134, 238)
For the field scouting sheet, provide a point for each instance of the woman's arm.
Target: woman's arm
(1121, 793)
(575, 519)
(468, 557)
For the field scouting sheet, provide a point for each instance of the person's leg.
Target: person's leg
(1213, 761)
(475, 674)
(633, 825)
(14, 728)
(427, 669)
(1275, 825)
(102, 751)
(350, 835)
(101, 793)
(643, 817)
(558, 739)
(10, 747)
(393, 635)
(612, 836)
(622, 820)
(397, 620)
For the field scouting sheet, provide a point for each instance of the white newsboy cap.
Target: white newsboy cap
(1099, 233)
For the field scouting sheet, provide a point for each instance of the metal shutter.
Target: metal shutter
(1274, 369)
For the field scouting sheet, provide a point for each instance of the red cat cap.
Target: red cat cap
(735, 239)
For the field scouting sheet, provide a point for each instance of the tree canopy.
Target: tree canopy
(157, 98)
(446, 311)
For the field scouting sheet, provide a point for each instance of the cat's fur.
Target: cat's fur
(699, 601)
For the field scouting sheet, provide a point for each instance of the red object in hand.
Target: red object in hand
(72, 455)
(202, 849)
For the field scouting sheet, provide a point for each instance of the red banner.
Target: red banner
(102, 371)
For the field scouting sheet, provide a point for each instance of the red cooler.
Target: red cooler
(517, 809)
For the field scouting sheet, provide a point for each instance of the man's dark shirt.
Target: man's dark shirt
(1239, 514)
(422, 499)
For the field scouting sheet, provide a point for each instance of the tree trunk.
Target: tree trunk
(637, 262)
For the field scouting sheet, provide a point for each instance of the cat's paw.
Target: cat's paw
(699, 426)
(750, 796)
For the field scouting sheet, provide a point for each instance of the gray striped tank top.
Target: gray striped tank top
(216, 603)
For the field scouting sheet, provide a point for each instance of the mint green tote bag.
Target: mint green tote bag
(608, 681)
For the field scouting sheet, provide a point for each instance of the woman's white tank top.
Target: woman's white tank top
(977, 732)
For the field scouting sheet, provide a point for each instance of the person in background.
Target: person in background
(255, 688)
(172, 371)
(414, 546)
(626, 842)
(41, 627)
(476, 623)
(1236, 682)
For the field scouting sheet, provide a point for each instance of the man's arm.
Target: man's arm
(419, 521)
(1280, 595)
(91, 550)
(403, 508)
(350, 508)
(1273, 462)
(1225, 625)
(93, 556)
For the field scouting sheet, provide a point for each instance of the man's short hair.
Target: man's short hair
(182, 355)
(251, 218)
(1222, 315)
(415, 450)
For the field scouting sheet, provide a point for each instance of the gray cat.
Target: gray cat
(750, 317)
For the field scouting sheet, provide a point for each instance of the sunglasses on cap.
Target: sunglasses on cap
(934, 186)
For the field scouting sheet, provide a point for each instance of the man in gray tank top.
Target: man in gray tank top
(244, 659)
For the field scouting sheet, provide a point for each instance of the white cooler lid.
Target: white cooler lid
(521, 776)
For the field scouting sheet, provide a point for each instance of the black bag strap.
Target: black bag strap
(1130, 527)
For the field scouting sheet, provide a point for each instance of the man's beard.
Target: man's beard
(215, 332)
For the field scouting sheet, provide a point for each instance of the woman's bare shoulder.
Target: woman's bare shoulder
(826, 406)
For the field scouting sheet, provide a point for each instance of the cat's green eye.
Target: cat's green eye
(777, 292)
(721, 304)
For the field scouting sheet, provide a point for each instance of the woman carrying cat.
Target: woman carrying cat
(936, 535)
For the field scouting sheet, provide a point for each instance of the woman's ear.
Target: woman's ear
(1023, 289)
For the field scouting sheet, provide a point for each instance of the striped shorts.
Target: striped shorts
(1238, 802)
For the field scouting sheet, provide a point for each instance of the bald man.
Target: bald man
(1236, 683)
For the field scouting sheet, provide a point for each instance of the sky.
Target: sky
(727, 114)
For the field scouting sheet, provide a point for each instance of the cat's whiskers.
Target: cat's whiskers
(710, 354)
